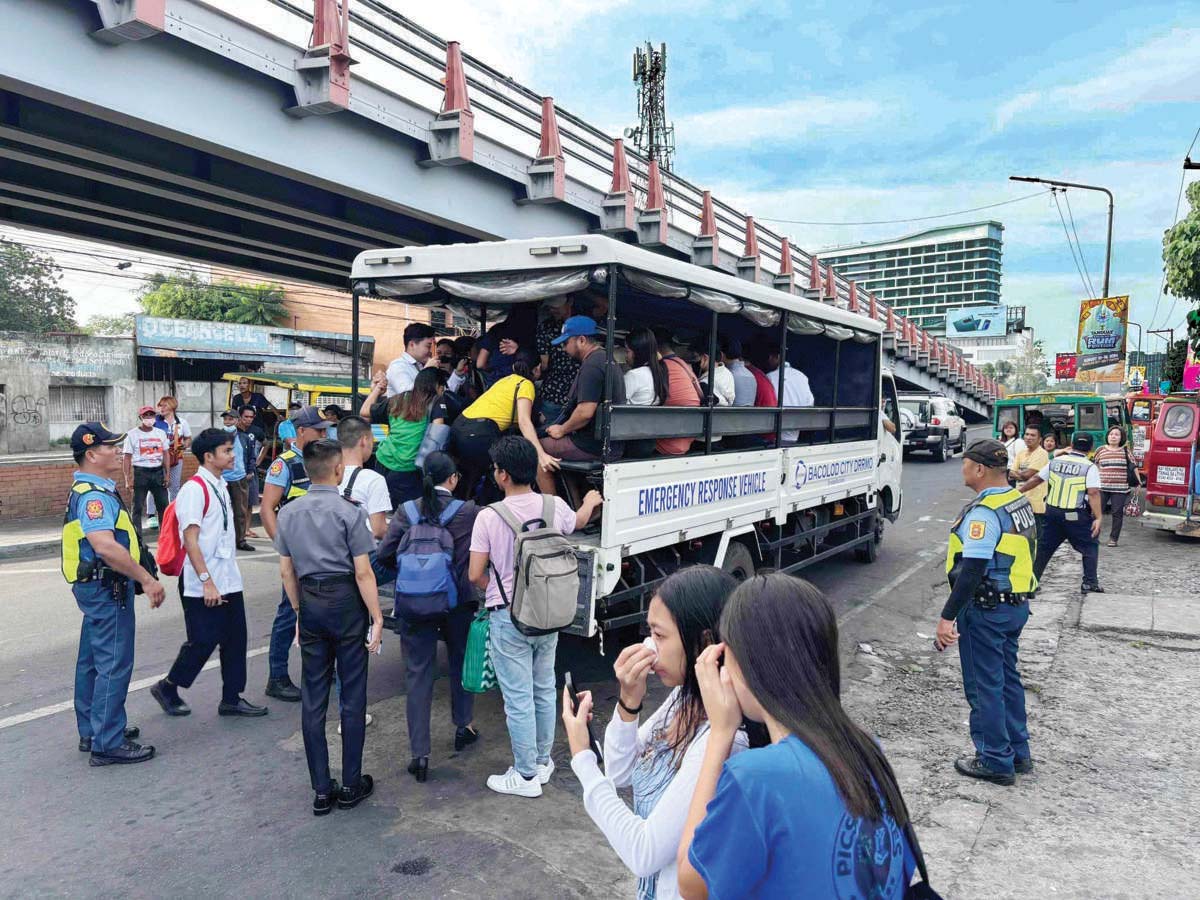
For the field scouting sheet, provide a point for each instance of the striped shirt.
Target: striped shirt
(1114, 475)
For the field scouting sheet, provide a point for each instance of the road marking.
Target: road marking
(924, 557)
(143, 684)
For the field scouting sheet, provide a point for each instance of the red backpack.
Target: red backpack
(171, 552)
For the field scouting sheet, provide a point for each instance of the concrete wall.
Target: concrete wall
(73, 358)
(24, 401)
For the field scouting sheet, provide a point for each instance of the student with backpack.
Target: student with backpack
(524, 532)
(214, 612)
(429, 543)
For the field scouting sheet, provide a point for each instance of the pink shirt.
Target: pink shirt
(493, 537)
(683, 389)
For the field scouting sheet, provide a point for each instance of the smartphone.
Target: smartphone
(575, 708)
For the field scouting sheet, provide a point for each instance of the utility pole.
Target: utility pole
(1084, 187)
(1170, 331)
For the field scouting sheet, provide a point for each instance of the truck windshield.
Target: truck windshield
(1177, 421)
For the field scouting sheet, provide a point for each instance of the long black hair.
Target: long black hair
(694, 597)
(784, 635)
(644, 346)
(413, 405)
(437, 470)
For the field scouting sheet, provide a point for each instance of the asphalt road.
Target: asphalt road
(224, 808)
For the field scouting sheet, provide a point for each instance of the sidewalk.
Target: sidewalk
(1110, 810)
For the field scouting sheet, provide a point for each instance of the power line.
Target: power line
(1079, 243)
(958, 212)
(1086, 288)
(1174, 220)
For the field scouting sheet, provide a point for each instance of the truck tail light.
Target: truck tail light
(935, 421)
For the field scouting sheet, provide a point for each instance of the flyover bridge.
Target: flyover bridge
(286, 136)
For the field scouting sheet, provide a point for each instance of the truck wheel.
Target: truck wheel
(738, 562)
(939, 452)
(869, 551)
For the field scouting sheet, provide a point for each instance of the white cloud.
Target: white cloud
(788, 122)
(1165, 69)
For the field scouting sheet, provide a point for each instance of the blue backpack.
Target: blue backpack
(426, 585)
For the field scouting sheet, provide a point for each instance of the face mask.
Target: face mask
(230, 427)
(147, 423)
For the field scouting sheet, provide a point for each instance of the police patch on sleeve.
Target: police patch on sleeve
(94, 509)
(276, 467)
(976, 531)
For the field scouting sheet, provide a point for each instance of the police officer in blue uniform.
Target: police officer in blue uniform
(989, 564)
(102, 560)
(1072, 510)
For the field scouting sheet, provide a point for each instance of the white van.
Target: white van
(777, 504)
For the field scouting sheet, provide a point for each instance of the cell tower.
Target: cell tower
(653, 136)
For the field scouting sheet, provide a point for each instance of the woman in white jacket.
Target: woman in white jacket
(661, 757)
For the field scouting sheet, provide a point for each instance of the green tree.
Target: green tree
(999, 371)
(30, 296)
(187, 297)
(1181, 251)
(110, 325)
(1030, 369)
(1173, 364)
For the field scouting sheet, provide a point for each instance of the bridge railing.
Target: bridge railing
(400, 56)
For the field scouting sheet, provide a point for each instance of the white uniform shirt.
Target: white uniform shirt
(370, 492)
(402, 373)
(218, 543)
(639, 387)
(723, 386)
(796, 392)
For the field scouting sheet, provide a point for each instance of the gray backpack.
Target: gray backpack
(545, 573)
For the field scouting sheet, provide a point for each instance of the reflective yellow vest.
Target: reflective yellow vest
(299, 482)
(71, 552)
(1012, 568)
(1067, 487)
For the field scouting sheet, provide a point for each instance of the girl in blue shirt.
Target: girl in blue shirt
(817, 813)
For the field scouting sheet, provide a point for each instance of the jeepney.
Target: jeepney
(1062, 414)
(791, 505)
(1172, 471)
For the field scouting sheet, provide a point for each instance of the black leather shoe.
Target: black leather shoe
(973, 767)
(1022, 766)
(323, 803)
(283, 689)
(1086, 588)
(464, 737)
(127, 753)
(132, 733)
(246, 545)
(168, 699)
(351, 797)
(241, 708)
(419, 768)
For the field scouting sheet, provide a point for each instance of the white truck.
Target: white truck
(779, 487)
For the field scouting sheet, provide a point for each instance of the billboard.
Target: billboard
(1065, 366)
(1100, 344)
(977, 321)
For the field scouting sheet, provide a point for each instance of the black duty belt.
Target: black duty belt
(325, 583)
(990, 598)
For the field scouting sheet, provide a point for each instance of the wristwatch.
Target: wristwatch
(204, 577)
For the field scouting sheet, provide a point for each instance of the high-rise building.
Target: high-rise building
(930, 273)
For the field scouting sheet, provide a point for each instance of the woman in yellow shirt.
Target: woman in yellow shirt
(507, 404)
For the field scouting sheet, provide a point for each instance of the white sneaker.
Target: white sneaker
(544, 772)
(370, 719)
(151, 522)
(511, 782)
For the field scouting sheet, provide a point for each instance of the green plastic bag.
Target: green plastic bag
(478, 673)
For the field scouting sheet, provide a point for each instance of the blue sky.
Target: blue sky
(848, 112)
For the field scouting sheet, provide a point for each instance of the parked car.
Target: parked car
(936, 425)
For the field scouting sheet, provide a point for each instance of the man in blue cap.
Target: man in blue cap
(103, 561)
(573, 436)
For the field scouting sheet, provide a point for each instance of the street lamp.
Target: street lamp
(1085, 187)
(1139, 328)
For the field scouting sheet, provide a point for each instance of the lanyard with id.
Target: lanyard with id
(225, 547)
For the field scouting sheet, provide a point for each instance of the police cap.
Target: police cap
(93, 434)
(988, 452)
(1082, 442)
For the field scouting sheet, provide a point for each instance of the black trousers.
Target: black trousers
(470, 441)
(333, 630)
(152, 481)
(402, 486)
(1113, 502)
(210, 627)
(1079, 533)
(239, 499)
(420, 641)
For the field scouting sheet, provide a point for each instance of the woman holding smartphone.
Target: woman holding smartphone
(660, 757)
(817, 813)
